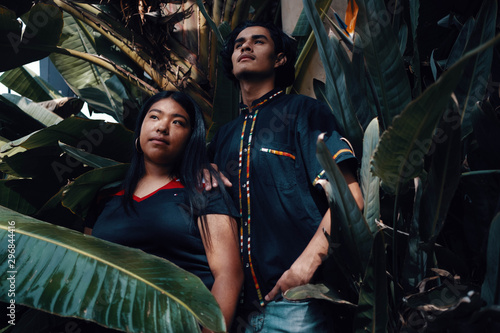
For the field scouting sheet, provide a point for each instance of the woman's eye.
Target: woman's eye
(178, 122)
(153, 116)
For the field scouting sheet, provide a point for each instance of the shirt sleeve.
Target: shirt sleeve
(219, 202)
(313, 121)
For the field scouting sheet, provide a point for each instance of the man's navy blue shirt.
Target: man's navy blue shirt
(274, 168)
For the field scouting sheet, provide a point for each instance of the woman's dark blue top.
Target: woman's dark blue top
(161, 225)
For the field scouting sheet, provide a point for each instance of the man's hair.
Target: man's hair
(285, 74)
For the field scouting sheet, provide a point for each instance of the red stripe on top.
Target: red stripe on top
(173, 184)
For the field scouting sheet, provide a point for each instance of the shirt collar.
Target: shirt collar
(244, 108)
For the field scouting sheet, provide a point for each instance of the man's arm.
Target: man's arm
(303, 269)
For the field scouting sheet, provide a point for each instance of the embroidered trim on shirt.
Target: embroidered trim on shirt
(277, 152)
(247, 186)
(318, 177)
(342, 151)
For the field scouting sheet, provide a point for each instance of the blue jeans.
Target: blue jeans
(286, 316)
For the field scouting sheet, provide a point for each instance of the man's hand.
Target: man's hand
(211, 182)
(292, 277)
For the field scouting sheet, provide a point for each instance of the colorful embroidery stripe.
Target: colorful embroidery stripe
(342, 151)
(277, 152)
(318, 177)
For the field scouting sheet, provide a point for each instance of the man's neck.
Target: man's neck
(250, 91)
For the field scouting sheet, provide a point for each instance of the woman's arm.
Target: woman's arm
(224, 260)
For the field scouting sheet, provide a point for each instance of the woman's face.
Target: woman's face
(165, 131)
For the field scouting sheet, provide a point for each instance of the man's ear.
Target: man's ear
(280, 60)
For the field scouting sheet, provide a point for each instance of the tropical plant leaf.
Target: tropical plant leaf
(370, 184)
(88, 81)
(94, 136)
(415, 60)
(443, 176)
(383, 58)
(414, 266)
(316, 291)
(43, 27)
(400, 153)
(79, 195)
(349, 228)
(490, 290)
(336, 92)
(35, 162)
(91, 160)
(460, 44)
(472, 87)
(67, 273)
(35, 111)
(24, 195)
(486, 128)
(26, 83)
(372, 313)
(17, 123)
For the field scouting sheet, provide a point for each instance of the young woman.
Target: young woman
(162, 207)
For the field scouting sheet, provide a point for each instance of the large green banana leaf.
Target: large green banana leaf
(383, 59)
(400, 153)
(17, 122)
(43, 27)
(24, 195)
(70, 274)
(97, 86)
(26, 83)
(109, 140)
(35, 111)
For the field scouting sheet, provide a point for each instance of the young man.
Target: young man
(268, 153)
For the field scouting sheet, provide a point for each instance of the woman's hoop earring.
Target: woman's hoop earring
(137, 146)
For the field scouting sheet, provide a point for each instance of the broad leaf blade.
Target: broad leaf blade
(35, 111)
(383, 59)
(316, 291)
(79, 195)
(443, 177)
(26, 83)
(473, 84)
(400, 152)
(19, 48)
(70, 274)
(91, 160)
(370, 184)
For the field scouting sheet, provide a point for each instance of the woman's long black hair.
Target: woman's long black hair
(191, 164)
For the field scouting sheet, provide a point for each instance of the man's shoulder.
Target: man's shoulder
(303, 103)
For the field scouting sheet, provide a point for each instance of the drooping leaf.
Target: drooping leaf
(316, 291)
(486, 128)
(415, 60)
(91, 160)
(443, 176)
(26, 83)
(17, 123)
(35, 111)
(372, 314)
(383, 59)
(94, 136)
(490, 290)
(400, 152)
(349, 228)
(43, 27)
(370, 184)
(97, 86)
(91, 278)
(472, 86)
(79, 195)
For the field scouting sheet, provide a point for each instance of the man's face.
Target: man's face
(253, 55)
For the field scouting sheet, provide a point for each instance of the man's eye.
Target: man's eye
(237, 46)
(259, 42)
